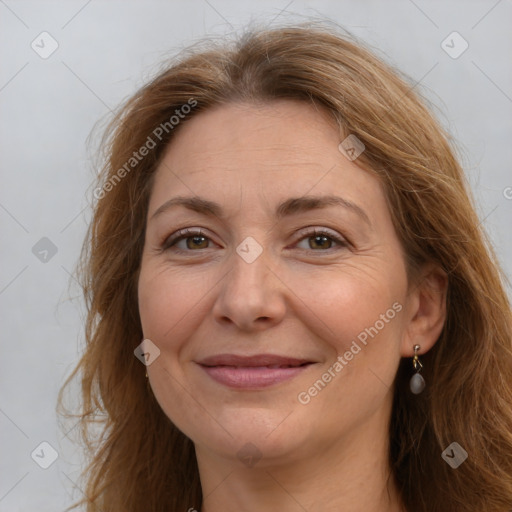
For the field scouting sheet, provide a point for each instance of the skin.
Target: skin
(302, 297)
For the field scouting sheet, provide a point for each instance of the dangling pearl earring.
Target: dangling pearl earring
(417, 383)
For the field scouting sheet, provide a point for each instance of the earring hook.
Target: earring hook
(416, 362)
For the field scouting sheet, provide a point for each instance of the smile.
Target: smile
(253, 372)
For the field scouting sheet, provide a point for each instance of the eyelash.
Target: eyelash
(183, 234)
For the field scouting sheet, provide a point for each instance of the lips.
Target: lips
(252, 372)
(253, 361)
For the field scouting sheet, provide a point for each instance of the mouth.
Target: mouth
(253, 372)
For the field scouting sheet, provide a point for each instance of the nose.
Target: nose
(251, 296)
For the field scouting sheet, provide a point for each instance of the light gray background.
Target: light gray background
(107, 49)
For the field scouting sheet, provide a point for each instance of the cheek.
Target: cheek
(169, 307)
(352, 302)
(361, 315)
(169, 300)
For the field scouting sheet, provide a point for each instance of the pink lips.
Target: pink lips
(254, 371)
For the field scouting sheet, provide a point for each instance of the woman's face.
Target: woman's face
(274, 341)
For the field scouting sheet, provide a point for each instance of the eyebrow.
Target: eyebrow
(291, 206)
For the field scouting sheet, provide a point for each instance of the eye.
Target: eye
(320, 237)
(197, 239)
(196, 236)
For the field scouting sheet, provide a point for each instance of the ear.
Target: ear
(425, 311)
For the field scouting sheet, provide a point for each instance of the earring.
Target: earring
(417, 383)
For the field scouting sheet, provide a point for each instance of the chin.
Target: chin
(271, 436)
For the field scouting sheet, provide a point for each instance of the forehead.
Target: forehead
(271, 151)
(292, 131)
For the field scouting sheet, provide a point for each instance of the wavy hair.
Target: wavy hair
(138, 460)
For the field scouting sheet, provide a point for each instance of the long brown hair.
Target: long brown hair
(139, 461)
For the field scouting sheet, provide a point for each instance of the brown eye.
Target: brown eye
(322, 240)
(197, 242)
(194, 239)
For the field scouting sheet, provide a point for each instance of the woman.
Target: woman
(292, 304)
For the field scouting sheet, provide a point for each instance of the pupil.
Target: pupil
(196, 240)
(319, 237)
